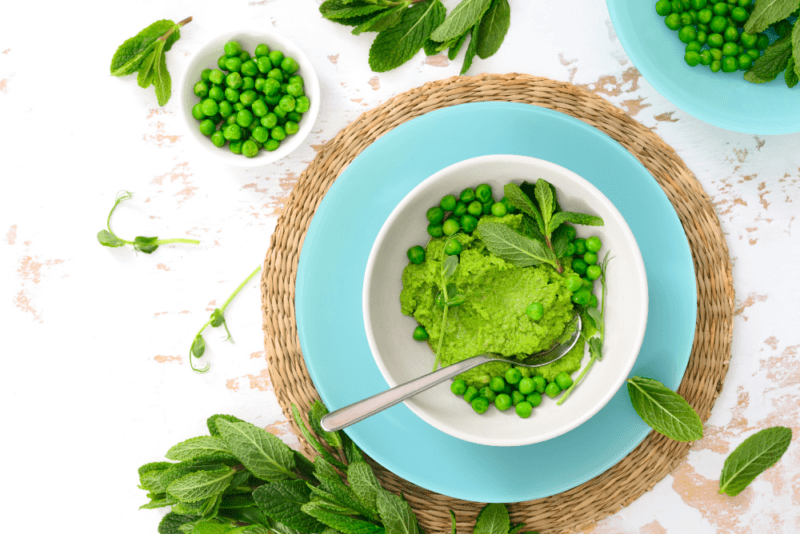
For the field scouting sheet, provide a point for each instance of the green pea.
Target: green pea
(269, 121)
(448, 203)
(467, 195)
(731, 35)
(578, 265)
(475, 208)
(460, 209)
(420, 334)
(248, 83)
(483, 193)
(244, 55)
(673, 21)
(720, 9)
(249, 68)
(524, 409)
(295, 90)
(762, 42)
(499, 209)
(570, 250)
(488, 393)
(587, 284)
(593, 244)
(580, 246)
(540, 382)
(496, 383)
(197, 111)
(582, 297)
(677, 6)
(527, 386)
(471, 394)
(744, 62)
(276, 74)
(233, 64)
(248, 97)
(232, 132)
(563, 380)
(783, 27)
(513, 376)
(278, 133)
(210, 107)
(509, 206)
(716, 54)
(236, 146)
(233, 80)
(573, 282)
(207, 127)
(534, 399)
(302, 105)
(260, 84)
(260, 133)
(686, 19)
(221, 61)
(729, 64)
(232, 48)
(453, 248)
(535, 311)
(216, 93)
(201, 89)
(435, 230)
(748, 39)
(244, 118)
(687, 34)
(450, 227)
(294, 116)
(502, 402)
(753, 53)
(481, 404)
(469, 223)
(593, 272)
(692, 58)
(552, 390)
(416, 254)
(230, 120)
(715, 40)
(590, 258)
(218, 139)
(287, 103)
(663, 7)
(517, 397)
(272, 145)
(259, 108)
(249, 148)
(694, 46)
(289, 65)
(291, 127)
(231, 95)
(276, 56)
(435, 215)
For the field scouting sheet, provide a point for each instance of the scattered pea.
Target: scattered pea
(448, 203)
(480, 404)
(471, 394)
(552, 390)
(524, 409)
(502, 402)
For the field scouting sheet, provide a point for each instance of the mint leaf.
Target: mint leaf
(130, 54)
(158, 503)
(574, 218)
(344, 495)
(315, 414)
(252, 515)
(396, 45)
(178, 471)
(146, 71)
(282, 501)
(453, 527)
(313, 441)
(171, 523)
(344, 524)
(364, 483)
(200, 485)
(515, 248)
(351, 11)
(456, 46)
(493, 28)
(396, 514)
(464, 16)
(790, 75)
(195, 447)
(212, 527)
(211, 422)
(472, 49)
(523, 202)
(331, 6)
(544, 196)
(150, 474)
(162, 80)
(383, 20)
(768, 66)
(755, 455)
(430, 47)
(796, 47)
(560, 240)
(263, 454)
(664, 410)
(351, 450)
(493, 519)
(766, 12)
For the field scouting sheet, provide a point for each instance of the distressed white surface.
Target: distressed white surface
(84, 398)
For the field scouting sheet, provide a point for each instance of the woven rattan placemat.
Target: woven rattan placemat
(656, 456)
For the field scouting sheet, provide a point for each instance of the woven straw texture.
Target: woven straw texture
(656, 456)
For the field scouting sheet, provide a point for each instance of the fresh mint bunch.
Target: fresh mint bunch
(148, 245)
(783, 54)
(406, 26)
(216, 320)
(145, 53)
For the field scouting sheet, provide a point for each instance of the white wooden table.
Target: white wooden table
(95, 375)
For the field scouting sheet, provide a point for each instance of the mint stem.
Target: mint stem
(181, 24)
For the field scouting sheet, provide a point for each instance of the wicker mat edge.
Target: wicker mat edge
(656, 456)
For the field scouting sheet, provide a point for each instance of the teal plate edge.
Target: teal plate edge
(331, 271)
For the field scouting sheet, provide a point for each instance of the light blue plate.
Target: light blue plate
(721, 99)
(331, 274)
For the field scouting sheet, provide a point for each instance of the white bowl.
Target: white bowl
(206, 58)
(401, 359)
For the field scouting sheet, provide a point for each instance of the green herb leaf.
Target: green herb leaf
(796, 47)
(472, 49)
(544, 196)
(351, 450)
(313, 441)
(331, 6)
(560, 241)
(158, 503)
(664, 410)
(515, 248)
(200, 485)
(130, 54)
(107, 239)
(148, 245)
(252, 515)
(396, 514)
(574, 218)
(263, 454)
(766, 12)
(456, 46)
(344, 524)
(150, 476)
(394, 46)
(162, 80)
(344, 495)
(198, 346)
(768, 66)
(464, 16)
(315, 414)
(282, 501)
(493, 28)
(364, 483)
(516, 528)
(383, 20)
(212, 527)
(449, 267)
(523, 202)
(755, 455)
(195, 447)
(217, 318)
(211, 422)
(453, 527)
(171, 523)
(493, 519)
(146, 70)
(182, 469)
(351, 11)
(790, 75)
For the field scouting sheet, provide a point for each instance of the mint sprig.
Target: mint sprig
(755, 455)
(145, 53)
(148, 245)
(405, 26)
(773, 62)
(663, 410)
(767, 12)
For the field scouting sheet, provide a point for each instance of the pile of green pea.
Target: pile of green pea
(700, 23)
(520, 388)
(253, 103)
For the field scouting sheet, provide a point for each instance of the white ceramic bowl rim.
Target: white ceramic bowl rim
(597, 199)
(201, 60)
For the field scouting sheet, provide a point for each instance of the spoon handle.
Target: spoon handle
(358, 411)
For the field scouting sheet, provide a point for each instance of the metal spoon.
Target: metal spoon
(358, 411)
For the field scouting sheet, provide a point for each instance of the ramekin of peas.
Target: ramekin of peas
(250, 98)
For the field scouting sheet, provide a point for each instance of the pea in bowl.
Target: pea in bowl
(492, 305)
(210, 97)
